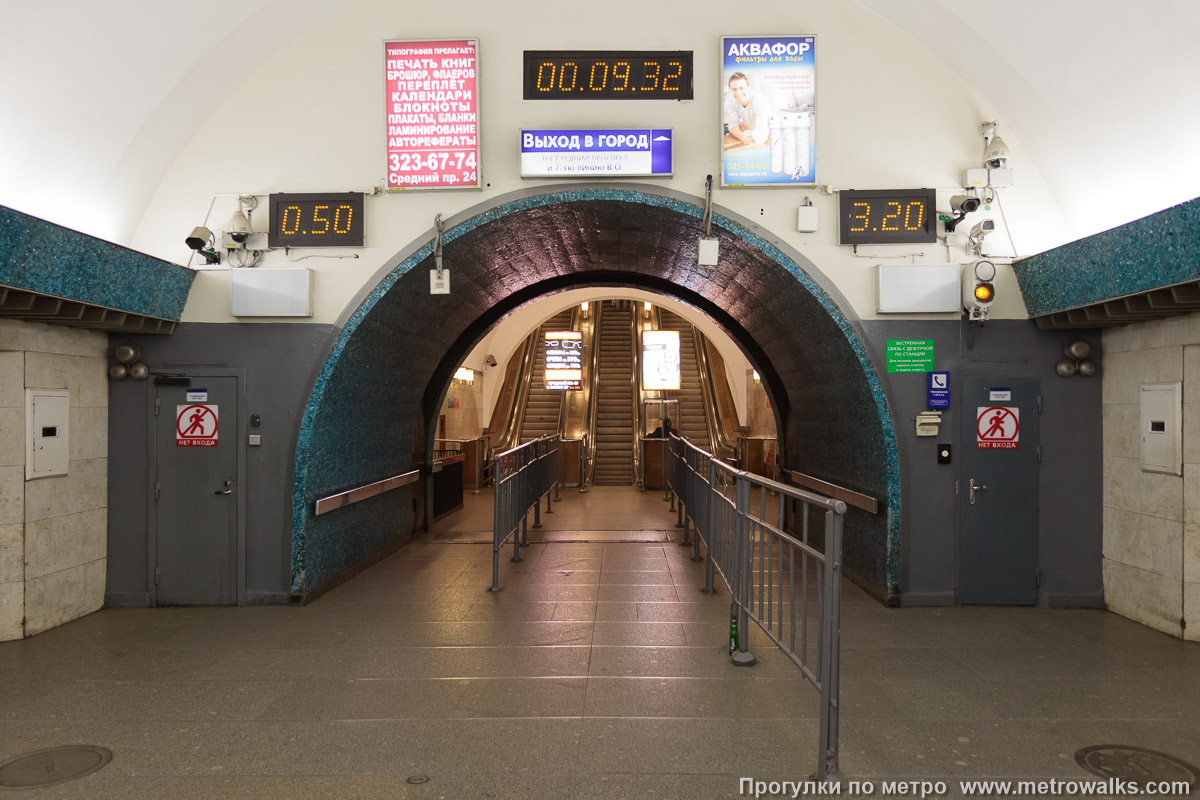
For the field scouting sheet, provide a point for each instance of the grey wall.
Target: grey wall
(281, 362)
(1071, 515)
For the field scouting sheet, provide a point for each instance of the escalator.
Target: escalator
(543, 407)
(614, 404)
(693, 423)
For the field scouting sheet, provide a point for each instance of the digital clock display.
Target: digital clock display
(608, 75)
(904, 216)
(316, 220)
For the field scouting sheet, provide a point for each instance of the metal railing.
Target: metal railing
(768, 556)
(523, 476)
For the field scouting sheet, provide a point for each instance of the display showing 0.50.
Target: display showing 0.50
(316, 220)
(343, 220)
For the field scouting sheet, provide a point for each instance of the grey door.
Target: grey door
(998, 532)
(196, 485)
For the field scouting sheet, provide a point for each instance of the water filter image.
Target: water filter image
(791, 141)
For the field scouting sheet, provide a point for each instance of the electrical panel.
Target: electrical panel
(1162, 428)
(47, 432)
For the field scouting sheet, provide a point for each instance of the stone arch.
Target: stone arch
(369, 413)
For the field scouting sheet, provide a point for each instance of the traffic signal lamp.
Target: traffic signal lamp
(979, 289)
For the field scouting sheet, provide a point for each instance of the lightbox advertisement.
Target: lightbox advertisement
(564, 360)
(432, 111)
(660, 360)
(768, 111)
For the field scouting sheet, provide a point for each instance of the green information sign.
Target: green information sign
(910, 355)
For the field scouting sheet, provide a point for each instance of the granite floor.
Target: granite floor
(599, 672)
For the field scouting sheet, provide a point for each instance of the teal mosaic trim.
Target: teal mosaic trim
(39, 256)
(301, 512)
(1160, 250)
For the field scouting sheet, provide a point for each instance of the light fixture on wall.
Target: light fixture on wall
(465, 374)
(128, 364)
(583, 308)
(1076, 361)
(646, 309)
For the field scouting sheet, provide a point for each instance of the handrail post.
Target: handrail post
(743, 657)
(827, 763)
(713, 534)
(497, 515)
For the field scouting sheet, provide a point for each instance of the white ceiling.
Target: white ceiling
(97, 98)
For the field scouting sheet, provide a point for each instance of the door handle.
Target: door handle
(230, 491)
(974, 488)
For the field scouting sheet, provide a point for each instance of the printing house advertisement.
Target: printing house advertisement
(432, 108)
(768, 110)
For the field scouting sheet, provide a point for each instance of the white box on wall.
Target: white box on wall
(1162, 428)
(919, 288)
(271, 292)
(47, 433)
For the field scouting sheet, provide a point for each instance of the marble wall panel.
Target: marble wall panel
(52, 545)
(85, 377)
(1142, 596)
(12, 611)
(63, 596)
(85, 488)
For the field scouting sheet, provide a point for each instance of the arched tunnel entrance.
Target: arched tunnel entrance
(373, 407)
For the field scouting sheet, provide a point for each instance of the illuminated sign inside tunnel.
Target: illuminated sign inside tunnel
(660, 360)
(564, 360)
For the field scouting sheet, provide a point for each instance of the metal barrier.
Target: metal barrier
(523, 476)
(773, 569)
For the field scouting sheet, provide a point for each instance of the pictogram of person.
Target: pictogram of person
(197, 426)
(997, 428)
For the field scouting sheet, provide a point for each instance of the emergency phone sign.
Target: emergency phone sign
(997, 428)
(196, 426)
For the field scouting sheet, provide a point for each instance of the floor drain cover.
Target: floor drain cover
(1135, 764)
(55, 765)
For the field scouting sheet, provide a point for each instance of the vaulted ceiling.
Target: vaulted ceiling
(99, 98)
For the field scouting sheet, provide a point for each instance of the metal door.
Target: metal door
(195, 541)
(998, 491)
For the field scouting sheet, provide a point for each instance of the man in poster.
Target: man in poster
(746, 113)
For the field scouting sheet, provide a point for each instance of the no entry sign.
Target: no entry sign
(997, 428)
(196, 426)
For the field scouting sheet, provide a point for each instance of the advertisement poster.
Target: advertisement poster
(768, 110)
(660, 360)
(564, 360)
(432, 103)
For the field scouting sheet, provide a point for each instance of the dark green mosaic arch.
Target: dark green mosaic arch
(304, 568)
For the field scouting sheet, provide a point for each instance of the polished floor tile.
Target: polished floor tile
(600, 670)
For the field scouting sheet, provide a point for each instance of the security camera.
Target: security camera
(995, 153)
(199, 241)
(964, 203)
(983, 229)
(977, 235)
(199, 237)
